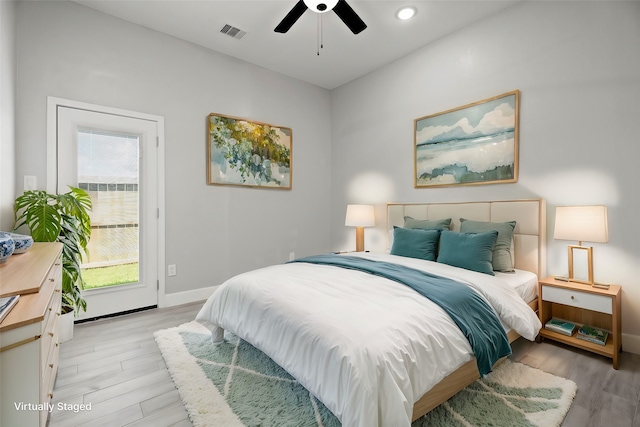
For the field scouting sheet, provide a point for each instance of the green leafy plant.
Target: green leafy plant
(60, 218)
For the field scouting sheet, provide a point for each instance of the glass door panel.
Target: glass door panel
(108, 169)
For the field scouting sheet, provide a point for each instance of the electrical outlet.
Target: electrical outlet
(292, 256)
(30, 182)
(171, 270)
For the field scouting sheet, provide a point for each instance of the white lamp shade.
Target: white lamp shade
(360, 216)
(582, 224)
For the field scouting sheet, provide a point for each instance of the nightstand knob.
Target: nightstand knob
(572, 297)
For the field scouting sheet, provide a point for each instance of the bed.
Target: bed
(373, 350)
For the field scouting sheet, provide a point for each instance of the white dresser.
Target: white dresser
(29, 344)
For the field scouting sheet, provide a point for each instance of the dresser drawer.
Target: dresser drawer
(49, 375)
(578, 299)
(48, 381)
(50, 323)
(49, 341)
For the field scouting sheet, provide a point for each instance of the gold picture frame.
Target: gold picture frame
(469, 145)
(247, 153)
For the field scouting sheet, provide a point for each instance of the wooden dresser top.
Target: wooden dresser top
(24, 273)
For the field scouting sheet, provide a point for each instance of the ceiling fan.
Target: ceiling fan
(340, 7)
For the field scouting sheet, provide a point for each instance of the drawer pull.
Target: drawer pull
(51, 334)
(572, 297)
(51, 365)
(51, 279)
(57, 290)
(50, 395)
(57, 344)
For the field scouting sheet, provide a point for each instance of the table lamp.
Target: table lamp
(581, 223)
(360, 216)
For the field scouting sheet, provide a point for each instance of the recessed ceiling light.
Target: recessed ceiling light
(406, 12)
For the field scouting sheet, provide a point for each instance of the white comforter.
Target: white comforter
(367, 347)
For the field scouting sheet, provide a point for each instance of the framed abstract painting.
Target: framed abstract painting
(473, 144)
(248, 153)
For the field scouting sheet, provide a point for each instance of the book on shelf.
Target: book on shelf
(561, 326)
(6, 304)
(593, 335)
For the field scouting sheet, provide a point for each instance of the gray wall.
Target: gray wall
(7, 112)
(577, 65)
(212, 232)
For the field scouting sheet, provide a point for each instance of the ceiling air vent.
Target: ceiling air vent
(232, 31)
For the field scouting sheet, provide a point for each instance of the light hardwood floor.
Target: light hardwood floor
(115, 365)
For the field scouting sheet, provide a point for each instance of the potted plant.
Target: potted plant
(60, 218)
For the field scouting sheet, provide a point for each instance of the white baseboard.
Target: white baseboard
(631, 343)
(187, 297)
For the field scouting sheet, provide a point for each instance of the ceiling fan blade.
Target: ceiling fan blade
(349, 17)
(291, 18)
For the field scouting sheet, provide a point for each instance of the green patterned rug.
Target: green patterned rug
(234, 384)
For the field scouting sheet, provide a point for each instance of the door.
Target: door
(114, 158)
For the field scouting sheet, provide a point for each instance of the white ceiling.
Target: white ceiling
(345, 56)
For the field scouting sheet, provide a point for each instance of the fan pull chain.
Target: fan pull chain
(320, 34)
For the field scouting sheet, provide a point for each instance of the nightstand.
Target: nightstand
(583, 305)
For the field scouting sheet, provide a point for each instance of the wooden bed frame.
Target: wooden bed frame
(529, 253)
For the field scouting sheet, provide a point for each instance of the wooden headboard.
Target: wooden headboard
(529, 237)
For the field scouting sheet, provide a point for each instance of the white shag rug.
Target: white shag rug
(234, 384)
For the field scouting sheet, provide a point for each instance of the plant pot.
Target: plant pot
(66, 326)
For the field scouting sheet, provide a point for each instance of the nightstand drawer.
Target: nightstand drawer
(578, 299)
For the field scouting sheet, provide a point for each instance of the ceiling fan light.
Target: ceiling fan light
(406, 12)
(321, 6)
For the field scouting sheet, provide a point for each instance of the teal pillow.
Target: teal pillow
(415, 243)
(425, 224)
(472, 251)
(502, 260)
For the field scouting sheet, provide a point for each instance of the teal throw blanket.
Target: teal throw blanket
(475, 318)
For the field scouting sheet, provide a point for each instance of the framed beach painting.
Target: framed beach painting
(473, 144)
(248, 153)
